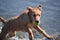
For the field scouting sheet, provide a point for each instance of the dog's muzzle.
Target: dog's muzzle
(36, 23)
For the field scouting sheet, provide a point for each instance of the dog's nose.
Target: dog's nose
(37, 21)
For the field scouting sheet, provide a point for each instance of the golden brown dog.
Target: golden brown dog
(28, 19)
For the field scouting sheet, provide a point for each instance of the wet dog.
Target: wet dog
(29, 19)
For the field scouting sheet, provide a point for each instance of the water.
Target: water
(50, 19)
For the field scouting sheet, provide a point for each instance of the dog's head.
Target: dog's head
(35, 14)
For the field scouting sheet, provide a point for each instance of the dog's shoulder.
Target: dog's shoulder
(24, 13)
(15, 17)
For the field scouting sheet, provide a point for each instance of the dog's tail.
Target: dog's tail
(2, 20)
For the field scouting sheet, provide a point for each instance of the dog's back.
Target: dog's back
(19, 22)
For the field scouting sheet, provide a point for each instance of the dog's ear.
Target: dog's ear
(29, 8)
(40, 7)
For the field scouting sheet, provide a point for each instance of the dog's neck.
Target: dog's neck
(30, 17)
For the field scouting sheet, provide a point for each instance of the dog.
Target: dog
(29, 19)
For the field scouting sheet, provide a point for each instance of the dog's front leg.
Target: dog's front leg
(31, 37)
(30, 34)
(43, 32)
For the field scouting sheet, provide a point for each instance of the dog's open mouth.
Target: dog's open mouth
(36, 24)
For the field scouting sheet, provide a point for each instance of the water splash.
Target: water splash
(38, 36)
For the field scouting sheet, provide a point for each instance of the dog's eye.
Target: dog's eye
(38, 15)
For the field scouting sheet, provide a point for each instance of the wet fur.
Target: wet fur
(24, 22)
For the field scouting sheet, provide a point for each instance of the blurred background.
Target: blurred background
(50, 19)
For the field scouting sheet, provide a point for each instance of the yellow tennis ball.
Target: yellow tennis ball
(36, 24)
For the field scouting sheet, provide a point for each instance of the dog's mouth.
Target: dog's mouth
(35, 23)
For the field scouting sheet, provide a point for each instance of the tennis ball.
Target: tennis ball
(35, 23)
